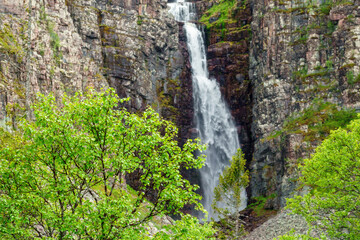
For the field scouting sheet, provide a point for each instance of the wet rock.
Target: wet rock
(228, 63)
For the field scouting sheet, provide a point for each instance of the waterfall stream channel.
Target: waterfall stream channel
(212, 117)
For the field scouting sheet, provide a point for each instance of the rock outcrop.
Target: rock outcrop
(137, 43)
(299, 52)
(41, 53)
(132, 46)
(293, 55)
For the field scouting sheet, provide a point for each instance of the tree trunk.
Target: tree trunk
(237, 224)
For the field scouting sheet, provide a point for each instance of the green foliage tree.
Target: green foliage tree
(62, 175)
(333, 176)
(227, 194)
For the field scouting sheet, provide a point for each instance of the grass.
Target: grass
(320, 118)
(10, 44)
(220, 13)
(54, 42)
(259, 205)
(351, 78)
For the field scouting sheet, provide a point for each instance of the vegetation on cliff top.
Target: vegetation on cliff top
(316, 122)
(62, 176)
(219, 13)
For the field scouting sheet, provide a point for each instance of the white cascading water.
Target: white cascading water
(212, 117)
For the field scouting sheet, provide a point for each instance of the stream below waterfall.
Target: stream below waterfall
(212, 117)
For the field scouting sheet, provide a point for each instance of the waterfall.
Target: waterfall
(212, 117)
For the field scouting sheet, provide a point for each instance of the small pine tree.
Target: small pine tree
(227, 194)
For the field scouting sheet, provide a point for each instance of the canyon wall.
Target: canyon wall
(275, 60)
(272, 59)
(228, 63)
(299, 53)
(131, 45)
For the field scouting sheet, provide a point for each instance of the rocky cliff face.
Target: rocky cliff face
(292, 54)
(132, 46)
(41, 53)
(228, 63)
(138, 42)
(299, 52)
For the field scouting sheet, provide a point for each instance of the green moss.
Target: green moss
(320, 73)
(166, 99)
(107, 29)
(325, 7)
(219, 14)
(329, 64)
(320, 118)
(42, 13)
(349, 65)
(350, 18)
(139, 20)
(302, 35)
(345, 3)
(319, 79)
(300, 10)
(54, 39)
(331, 27)
(351, 78)
(299, 74)
(258, 204)
(305, 7)
(320, 19)
(10, 42)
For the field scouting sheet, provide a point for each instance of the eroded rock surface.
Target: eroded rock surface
(298, 53)
(128, 45)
